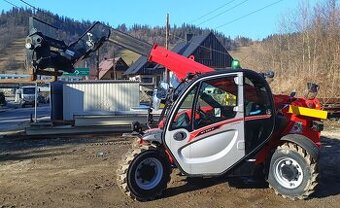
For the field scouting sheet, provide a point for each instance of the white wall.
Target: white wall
(98, 98)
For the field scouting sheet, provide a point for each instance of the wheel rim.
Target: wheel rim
(148, 173)
(288, 173)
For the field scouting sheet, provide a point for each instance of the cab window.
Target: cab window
(257, 100)
(216, 101)
(184, 112)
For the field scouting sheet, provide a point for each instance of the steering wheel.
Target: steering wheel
(202, 115)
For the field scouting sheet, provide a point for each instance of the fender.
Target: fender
(153, 135)
(304, 142)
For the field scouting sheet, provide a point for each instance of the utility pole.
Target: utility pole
(35, 102)
(97, 63)
(167, 31)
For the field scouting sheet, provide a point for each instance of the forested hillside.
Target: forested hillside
(306, 48)
(14, 27)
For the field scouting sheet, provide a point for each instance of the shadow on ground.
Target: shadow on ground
(193, 184)
(329, 168)
(329, 180)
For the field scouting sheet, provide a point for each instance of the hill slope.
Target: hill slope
(14, 27)
(12, 57)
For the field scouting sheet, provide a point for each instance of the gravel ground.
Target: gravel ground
(80, 172)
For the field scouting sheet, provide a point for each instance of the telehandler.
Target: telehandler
(215, 122)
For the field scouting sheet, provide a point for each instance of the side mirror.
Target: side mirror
(312, 87)
(312, 90)
(292, 94)
(268, 74)
(159, 95)
(162, 90)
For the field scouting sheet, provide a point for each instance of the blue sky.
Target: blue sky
(153, 12)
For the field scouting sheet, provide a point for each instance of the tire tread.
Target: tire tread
(313, 181)
(124, 166)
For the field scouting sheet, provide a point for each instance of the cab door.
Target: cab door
(205, 132)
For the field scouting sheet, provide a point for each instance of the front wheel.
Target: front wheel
(293, 172)
(144, 173)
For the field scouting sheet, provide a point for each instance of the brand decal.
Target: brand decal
(206, 131)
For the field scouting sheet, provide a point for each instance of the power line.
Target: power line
(213, 50)
(179, 38)
(208, 13)
(29, 5)
(246, 15)
(11, 4)
(225, 11)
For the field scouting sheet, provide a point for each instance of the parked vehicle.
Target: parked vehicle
(25, 96)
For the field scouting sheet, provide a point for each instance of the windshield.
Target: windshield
(179, 89)
(28, 90)
(171, 98)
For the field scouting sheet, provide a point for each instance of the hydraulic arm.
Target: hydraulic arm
(176, 63)
(46, 50)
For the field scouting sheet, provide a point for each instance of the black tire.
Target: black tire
(293, 173)
(134, 163)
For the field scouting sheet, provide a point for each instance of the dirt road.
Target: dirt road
(80, 172)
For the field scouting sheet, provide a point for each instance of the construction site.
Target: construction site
(96, 114)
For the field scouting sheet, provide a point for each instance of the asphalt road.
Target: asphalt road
(14, 119)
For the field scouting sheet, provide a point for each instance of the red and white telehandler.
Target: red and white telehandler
(215, 122)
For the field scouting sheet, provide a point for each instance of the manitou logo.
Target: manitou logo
(206, 131)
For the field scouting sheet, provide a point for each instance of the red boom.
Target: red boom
(176, 63)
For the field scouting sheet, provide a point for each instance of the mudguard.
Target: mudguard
(153, 135)
(304, 142)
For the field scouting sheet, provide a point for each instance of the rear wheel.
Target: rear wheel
(293, 172)
(144, 173)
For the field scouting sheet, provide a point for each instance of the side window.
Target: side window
(257, 100)
(183, 118)
(216, 101)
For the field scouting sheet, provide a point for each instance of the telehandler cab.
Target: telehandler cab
(216, 122)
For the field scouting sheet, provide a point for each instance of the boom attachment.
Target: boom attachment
(44, 49)
(176, 63)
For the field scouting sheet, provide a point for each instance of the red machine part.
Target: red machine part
(296, 123)
(306, 122)
(178, 64)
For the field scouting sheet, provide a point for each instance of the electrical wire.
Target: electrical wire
(225, 11)
(213, 50)
(246, 15)
(258, 10)
(29, 4)
(11, 4)
(208, 13)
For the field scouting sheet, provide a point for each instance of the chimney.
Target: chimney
(189, 36)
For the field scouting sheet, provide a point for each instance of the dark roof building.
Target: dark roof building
(206, 50)
(111, 68)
